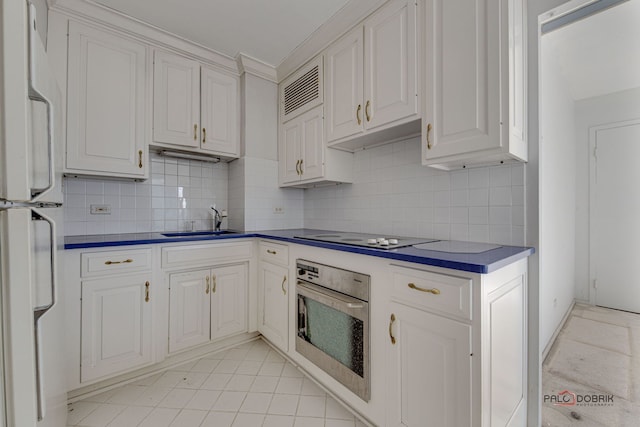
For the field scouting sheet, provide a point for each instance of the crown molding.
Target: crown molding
(255, 67)
(90, 11)
(341, 22)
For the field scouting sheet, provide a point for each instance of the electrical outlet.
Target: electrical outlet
(100, 210)
(278, 210)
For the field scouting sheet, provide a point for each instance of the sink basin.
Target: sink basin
(198, 233)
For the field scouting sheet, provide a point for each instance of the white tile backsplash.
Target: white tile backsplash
(178, 192)
(393, 193)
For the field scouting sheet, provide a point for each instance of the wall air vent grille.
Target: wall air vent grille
(302, 91)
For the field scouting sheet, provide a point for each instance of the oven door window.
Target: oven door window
(334, 332)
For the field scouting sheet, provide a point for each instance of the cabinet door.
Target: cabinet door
(273, 304)
(105, 103)
(219, 112)
(312, 144)
(289, 151)
(390, 64)
(176, 100)
(462, 86)
(344, 86)
(228, 300)
(189, 308)
(429, 369)
(116, 325)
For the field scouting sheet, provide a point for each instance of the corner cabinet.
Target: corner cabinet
(106, 104)
(195, 108)
(475, 83)
(372, 79)
(273, 294)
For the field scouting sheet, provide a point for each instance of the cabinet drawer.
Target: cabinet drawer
(433, 291)
(103, 263)
(205, 255)
(274, 252)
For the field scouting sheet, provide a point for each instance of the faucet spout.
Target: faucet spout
(217, 219)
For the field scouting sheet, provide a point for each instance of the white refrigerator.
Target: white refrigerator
(32, 361)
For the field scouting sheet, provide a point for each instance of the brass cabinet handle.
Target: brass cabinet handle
(206, 291)
(269, 251)
(429, 145)
(204, 135)
(126, 261)
(195, 132)
(284, 280)
(301, 170)
(146, 292)
(213, 291)
(358, 114)
(298, 167)
(434, 291)
(366, 111)
(391, 321)
(140, 159)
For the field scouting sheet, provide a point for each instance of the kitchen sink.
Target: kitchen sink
(198, 233)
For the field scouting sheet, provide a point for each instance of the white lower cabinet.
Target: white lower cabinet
(189, 309)
(273, 304)
(206, 305)
(429, 370)
(116, 325)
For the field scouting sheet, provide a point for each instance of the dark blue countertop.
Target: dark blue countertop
(484, 262)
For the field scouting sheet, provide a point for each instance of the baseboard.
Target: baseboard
(552, 341)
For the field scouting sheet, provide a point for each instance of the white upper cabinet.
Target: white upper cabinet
(176, 100)
(219, 105)
(371, 79)
(475, 84)
(106, 96)
(195, 108)
(345, 59)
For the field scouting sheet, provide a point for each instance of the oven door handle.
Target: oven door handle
(331, 298)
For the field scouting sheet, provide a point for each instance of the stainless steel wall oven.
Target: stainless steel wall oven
(333, 323)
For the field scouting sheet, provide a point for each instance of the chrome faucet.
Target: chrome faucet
(217, 219)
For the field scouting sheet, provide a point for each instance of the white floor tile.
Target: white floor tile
(126, 394)
(205, 365)
(216, 381)
(249, 367)
(274, 356)
(219, 419)
(102, 415)
(79, 410)
(160, 417)
(278, 421)
(264, 384)
(291, 371)
(192, 380)
(248, 420)
(283, 404)
(152, 396)
(230, 401)
(257, 403)
(311, 406)
(236, 353)
(309, 388)
(339, 423)
(169, 379)
(189, 418)
(177, 398)
(308, 422)
(273, 369)
(288, 385)
(227, 367)
(204, 400)
(147, 381)
(240, 383)
(131, 416)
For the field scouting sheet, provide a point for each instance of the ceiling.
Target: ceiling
(600, 54)
(267, 30)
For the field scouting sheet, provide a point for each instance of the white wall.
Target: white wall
(557, 201)
(179, 191)
(393, 193)
(592, 112)
(254, 194)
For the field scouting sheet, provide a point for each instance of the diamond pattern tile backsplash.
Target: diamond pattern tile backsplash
(177, 196)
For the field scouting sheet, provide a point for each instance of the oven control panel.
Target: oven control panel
(334, 278)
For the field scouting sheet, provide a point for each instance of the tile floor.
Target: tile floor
(247, 386)
(596, 353)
